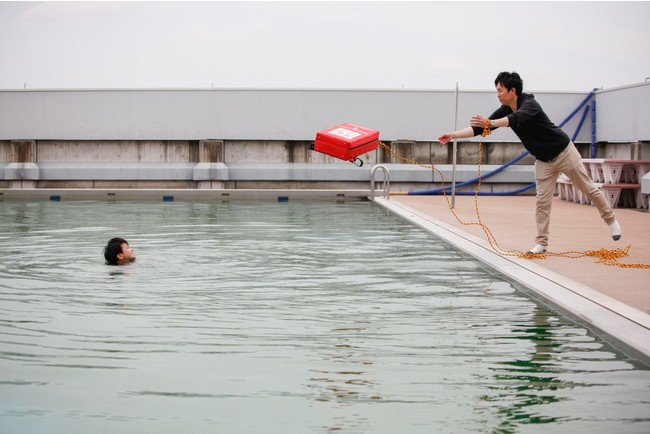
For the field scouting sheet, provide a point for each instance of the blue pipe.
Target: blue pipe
(584, 101)
(471, 181)
(437, 191)
(488, 193)
(582, 121)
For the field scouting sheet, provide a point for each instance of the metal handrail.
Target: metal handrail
(386, 180)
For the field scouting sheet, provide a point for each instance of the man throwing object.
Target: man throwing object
(554, 151)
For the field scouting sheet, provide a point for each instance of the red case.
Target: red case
(346, 141)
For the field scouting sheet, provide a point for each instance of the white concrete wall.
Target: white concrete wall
(624, 114)
(271, 114)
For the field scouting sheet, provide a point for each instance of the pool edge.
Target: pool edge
(169, 195)
(624, 323)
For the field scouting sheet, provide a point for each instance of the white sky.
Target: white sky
(558, 46)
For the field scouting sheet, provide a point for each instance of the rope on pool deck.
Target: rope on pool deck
(601, 256)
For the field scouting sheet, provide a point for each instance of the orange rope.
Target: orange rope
(601, 256)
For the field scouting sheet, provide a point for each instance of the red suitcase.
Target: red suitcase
(347, 142)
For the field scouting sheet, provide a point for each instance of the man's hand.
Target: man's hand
(478, 121)
(460, 134)
(445, 138)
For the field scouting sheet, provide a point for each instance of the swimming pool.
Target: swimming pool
(286, 317)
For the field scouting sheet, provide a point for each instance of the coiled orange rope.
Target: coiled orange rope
(601, 256)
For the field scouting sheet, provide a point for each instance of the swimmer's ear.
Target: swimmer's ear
(120, 256)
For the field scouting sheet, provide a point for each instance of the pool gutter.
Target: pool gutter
(170, 195)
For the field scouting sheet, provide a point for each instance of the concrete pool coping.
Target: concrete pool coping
(171, 194)
(622, 321)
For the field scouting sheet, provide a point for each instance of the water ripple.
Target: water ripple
(238, 314)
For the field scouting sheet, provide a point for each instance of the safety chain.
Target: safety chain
(601, 256)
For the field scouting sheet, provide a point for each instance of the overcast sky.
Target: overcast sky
(558, 46)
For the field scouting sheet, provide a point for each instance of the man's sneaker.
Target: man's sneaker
(537, 249)
(615, 229)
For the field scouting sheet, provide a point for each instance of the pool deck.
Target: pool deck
(613, 299)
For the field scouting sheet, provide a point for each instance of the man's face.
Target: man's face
(506, 97)
(127, 254)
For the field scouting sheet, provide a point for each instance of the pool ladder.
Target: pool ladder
(385, 181)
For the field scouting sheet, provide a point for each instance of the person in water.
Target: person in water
(118, 252)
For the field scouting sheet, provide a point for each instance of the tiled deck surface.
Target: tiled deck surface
(574, 227)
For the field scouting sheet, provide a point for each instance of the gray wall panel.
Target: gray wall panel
(238, 115)
(256, 114)
(281, 115)
(22, 115)
(323, 109)
(371, 109)
(108, 117)
(411, 116)
(624, 114)
(194, 114)
(67, 111)
(151, 115)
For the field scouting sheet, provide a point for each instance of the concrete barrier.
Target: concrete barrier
(322, 172)
(220, 164)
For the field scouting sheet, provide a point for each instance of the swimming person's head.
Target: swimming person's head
(118, 252)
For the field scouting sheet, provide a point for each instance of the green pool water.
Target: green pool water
(293, 317)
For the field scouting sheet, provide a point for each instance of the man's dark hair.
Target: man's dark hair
(112, 249)
(510, 80)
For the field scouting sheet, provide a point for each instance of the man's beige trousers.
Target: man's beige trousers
(568, 162)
